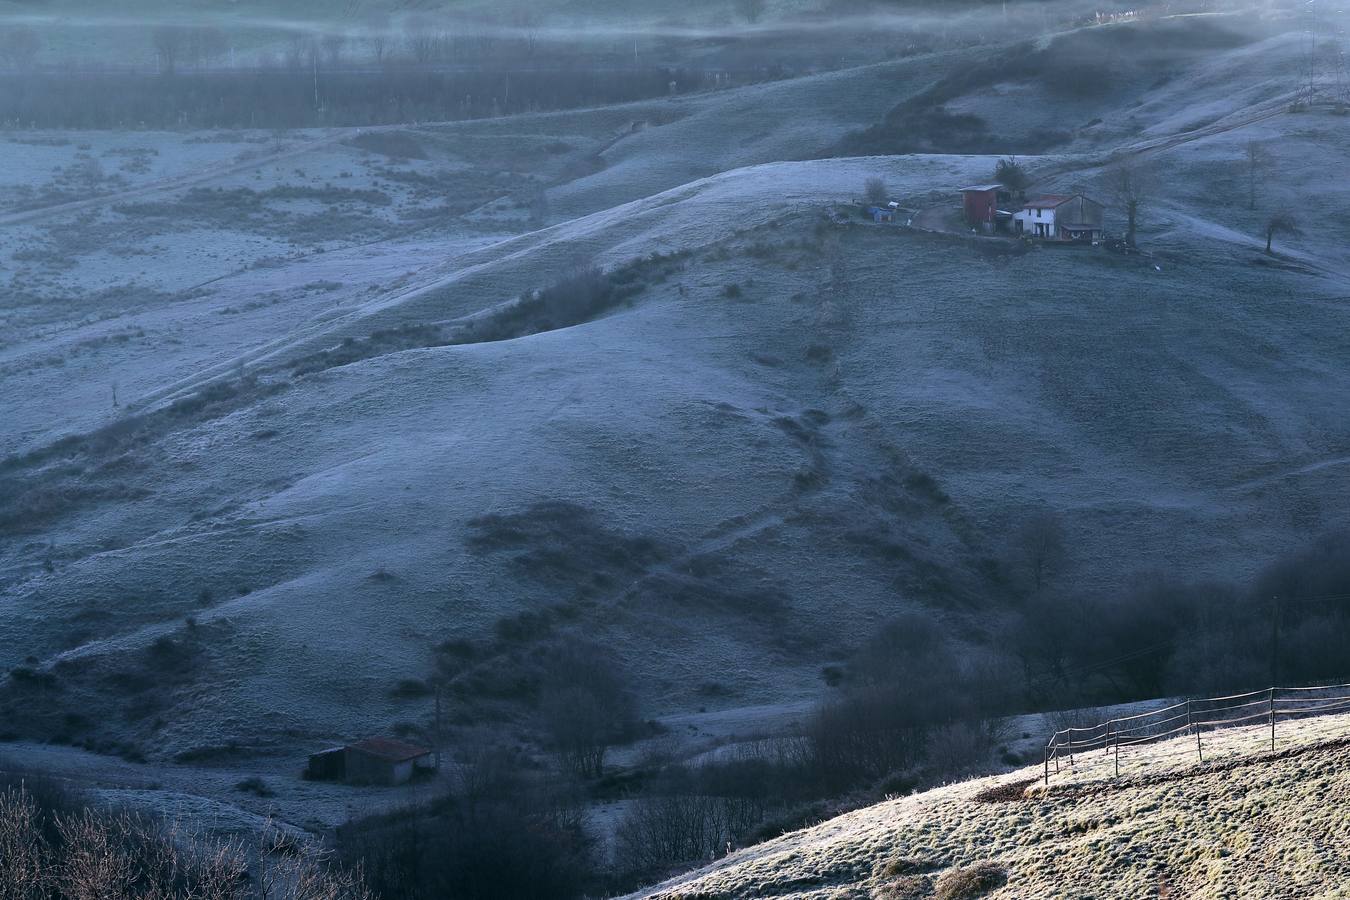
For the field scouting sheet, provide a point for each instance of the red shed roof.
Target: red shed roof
(389, 749)
(982, 188)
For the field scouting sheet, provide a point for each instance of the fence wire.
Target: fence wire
(1195, 716)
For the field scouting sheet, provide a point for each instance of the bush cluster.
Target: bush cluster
(57, 845)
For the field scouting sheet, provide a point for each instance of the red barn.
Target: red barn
(981, 204)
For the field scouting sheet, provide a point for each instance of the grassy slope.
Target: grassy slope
(503, 158)
(1241, 825)
(804, 410)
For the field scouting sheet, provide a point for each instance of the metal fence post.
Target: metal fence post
(1117, 753)
(1047, 765)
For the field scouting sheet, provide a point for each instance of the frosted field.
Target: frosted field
(815, 426)
(1241, 825)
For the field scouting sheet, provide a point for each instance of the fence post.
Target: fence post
(1047, 765)
(1191, 725)
(1117, 752)
(1272, 720)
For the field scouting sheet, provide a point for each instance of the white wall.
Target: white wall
(1029, 220)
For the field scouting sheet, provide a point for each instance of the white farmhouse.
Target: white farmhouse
(1059, 217)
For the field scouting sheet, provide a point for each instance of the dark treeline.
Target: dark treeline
(1167, 635)
(296, 98)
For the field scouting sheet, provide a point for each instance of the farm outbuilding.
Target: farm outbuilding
(327, 765)
(981, 204)
(385, 761)
(371, 761)
(1059, 217)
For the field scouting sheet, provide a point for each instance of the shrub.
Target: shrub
(974, 881)
(906, 887)
(907, 865)
(559, 541)
(56, 844)
(255, 785)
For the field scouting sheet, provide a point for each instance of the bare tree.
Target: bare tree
(1131, 186)
(528, 20)
(426, 42)
(1281, 223)
(169, 41)
(378, 37)
(1258, 162)
(876, 191)
(585, 706)
(1039, 543)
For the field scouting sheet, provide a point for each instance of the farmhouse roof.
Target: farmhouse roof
(1049, 201)
(982, 188)
(389, 749)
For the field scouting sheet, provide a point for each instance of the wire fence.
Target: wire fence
(1195, 716)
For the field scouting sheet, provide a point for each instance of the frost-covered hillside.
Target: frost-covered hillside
(273, 425)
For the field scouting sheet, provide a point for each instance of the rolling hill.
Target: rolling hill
(273, 444)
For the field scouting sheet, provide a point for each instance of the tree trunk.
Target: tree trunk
(1270, 236)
